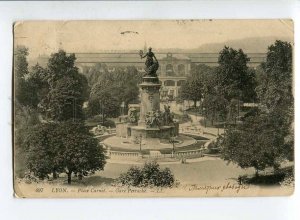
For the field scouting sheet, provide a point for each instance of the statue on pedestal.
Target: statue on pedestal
(167, 116)
(132, 115)
(151, 64)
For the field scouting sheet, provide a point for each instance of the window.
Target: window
(169, 70)
(180, 82)
(181, 70)
(169, 83)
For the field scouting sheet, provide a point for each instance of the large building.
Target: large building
(173, 67)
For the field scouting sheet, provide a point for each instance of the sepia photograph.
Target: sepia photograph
(153, 108)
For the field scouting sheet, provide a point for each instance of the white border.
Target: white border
(275, 208)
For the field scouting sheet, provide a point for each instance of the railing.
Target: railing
(122, 154)
(178, 155)
(190, 153)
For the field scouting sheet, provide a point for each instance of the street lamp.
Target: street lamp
(173, 141)
(204, 116)
(141, 136)
(122, 108)
(102, 110)
(74, 106)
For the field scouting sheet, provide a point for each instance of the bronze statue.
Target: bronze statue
(151, 64)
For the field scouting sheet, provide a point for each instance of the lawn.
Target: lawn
(212, 171)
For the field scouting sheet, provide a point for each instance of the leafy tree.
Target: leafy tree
(257, 143)
(102, 101)
(235, 78)
(227, 85)
(193, 88)
(43, 145)
(67, 89)
(63, 147)
(25, 92)
(38, 77)
(275, 88)
(216, 107)
(266, 136)
(25, 118)
(112, 89)
(20, 62)
(94, 73)
(82, 153)
(61, 64)
(65, 100)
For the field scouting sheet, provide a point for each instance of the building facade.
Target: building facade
(173, 67)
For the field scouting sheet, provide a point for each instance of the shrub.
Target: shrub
(149, 175)
(133, 177)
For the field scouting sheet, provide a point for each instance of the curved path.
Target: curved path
(194, 160)
(194, 125)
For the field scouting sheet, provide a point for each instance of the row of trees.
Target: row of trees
(221, 89)
(266, 138)
(110, 90)
(57, 92)
(49, 114)
(50, 136)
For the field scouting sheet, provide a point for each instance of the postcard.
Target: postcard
(153, 108)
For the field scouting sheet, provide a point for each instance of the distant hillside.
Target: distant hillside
(248, 45)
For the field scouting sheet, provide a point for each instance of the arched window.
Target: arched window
(180, 82)
(169, 83)
(169, 70)
(181, 70)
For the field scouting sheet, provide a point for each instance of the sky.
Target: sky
(46, 37)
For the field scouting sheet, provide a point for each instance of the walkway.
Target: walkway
(175, 161)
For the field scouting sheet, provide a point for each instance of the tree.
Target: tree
(216, 107)
(193, 88)
(43, 147)
(20, 62)
(38, 77)
(102, 101)
(63, 147)
(82, 153)
(25, 92)
(234, 76)
(266, 136)
(275, 88)
(25, 118)
(65, 100)
(94, 73)
(67, 89)
(257, 143)
(105, 96)
(61, 64)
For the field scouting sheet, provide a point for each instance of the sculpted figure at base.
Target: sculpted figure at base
(151, 64)
(153, 119)
(132, 115)
(167, 116)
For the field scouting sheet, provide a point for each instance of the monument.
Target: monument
(152, 122)
(147, 124)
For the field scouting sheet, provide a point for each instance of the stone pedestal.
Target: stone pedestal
(150, 100)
